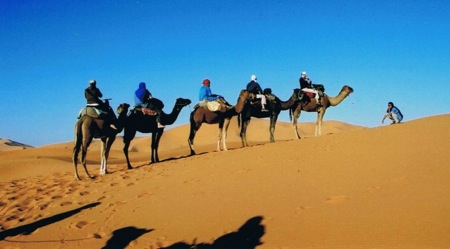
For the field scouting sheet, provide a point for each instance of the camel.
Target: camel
(202, 115)
(274, 109)
(312, 106)
(88, 128)
(136, 121)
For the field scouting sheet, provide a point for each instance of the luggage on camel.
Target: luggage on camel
(221, 105)
(100, 111)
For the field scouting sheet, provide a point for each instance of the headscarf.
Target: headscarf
(140, 92)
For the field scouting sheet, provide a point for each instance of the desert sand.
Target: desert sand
(353, 187)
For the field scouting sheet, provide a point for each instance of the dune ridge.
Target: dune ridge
(356, 187)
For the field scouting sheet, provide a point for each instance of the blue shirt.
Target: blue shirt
(205, 94)
(397, 111)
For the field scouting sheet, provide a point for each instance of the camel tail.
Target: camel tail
(78, 135)
(239, 119)
(290, 114)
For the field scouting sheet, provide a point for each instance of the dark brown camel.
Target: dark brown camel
(88, 128)
(312, 106)
(136, 121)
(202, 115)
(274, 109)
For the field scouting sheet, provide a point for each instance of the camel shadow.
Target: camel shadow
(123, 236)
(246, 237)
(30, 228)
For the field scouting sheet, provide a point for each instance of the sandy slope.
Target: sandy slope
(355, 187)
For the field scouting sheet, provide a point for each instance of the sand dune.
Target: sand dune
(8, 145)
(355, 187)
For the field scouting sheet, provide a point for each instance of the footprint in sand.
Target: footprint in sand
(82, 224)
(84, 193)
(56, 197)
(336, 199)
(373, 189)
(66, 203)
(143, 194)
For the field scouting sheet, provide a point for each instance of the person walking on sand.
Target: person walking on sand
(393, 113)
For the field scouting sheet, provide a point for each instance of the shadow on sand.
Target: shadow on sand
(246, 237)
(30, 228)
(123, 236)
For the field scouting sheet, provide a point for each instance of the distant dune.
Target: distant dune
(8, 145)
(354, 187)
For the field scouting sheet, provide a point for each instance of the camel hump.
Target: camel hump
(155, 104)
(319, 87)
(92, 112)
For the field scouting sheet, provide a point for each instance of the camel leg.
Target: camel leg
(87, 139)
(243, 133)
(294, 124)
(219, 140)
(76, 150)
(224, 134)
(83, 161)
(194, 128)
(102, 156)
(127, 137)
(108, 149)
(156, 137)
(319, 122)
(273, 122)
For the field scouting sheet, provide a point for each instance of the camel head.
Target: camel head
(183, 102)
(347, 89)
(296, 94)
(243, 95)
(122, 108)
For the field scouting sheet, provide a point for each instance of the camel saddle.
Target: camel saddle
(215, 106)
(92, 112)
(267, 92)
(145, 111)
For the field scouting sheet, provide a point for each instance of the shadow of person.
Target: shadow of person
(123, 236)
(248, 236)
(29, 228)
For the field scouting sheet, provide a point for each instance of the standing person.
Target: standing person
(93, 95)
(142, 95)
(394, 114)
(254, 87)
(307, 86)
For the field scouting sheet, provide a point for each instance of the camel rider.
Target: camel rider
(307, 86)
(93, 95)
(213, 102)
(142, 95)
(255, 88)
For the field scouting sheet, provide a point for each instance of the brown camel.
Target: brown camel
(88, 128)
(202, 115)
(312, 106)
(137, 121)
(274, 109)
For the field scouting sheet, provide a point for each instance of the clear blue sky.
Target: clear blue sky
(388, 50)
